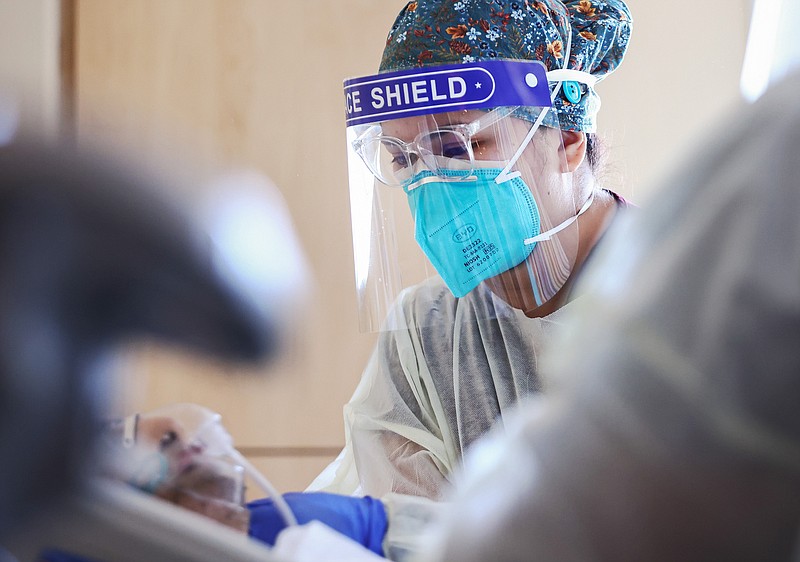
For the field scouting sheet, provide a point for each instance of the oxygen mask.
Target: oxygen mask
(183, 453)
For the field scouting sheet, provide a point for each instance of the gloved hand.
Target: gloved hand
(362, 519)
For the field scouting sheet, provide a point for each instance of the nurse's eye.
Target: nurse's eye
(399, 160)
(169, 438)
(449, 144)
(455, 150)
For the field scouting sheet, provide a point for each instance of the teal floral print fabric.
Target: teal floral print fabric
(440, 32)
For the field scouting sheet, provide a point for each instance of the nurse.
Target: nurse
(475, 202)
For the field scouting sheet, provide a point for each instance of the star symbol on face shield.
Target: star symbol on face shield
(478, 85)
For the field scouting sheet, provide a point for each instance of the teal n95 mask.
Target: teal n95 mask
(467, 228)
(476, 156)
(463, 229)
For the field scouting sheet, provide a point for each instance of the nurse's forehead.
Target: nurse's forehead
(412, 126)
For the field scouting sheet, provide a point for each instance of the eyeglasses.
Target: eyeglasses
(446, 151)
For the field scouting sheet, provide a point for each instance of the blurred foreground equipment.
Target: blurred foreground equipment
(92, 256)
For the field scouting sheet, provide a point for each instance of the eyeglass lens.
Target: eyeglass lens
(443, 152)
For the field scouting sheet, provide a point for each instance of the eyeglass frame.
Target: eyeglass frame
(465, 130)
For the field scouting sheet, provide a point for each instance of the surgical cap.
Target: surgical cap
(439, 32)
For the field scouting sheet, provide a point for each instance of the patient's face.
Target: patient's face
(190, 478)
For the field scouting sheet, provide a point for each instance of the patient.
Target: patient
(159, 452)
(182, 454)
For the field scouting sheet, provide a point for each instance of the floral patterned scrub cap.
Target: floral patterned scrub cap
(439, 32)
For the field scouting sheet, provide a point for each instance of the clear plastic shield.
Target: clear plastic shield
(461, 193)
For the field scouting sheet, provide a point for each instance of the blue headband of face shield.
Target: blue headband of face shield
(423, 91)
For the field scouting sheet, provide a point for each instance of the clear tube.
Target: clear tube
(267, 487)
(204, 427)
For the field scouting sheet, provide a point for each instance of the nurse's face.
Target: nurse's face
(542, 166)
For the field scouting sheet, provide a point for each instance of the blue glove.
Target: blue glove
(361, 519)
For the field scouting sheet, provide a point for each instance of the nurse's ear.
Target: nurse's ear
(574, 149)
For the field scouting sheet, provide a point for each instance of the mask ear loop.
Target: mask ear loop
(549, 234)
(560, 74)
(505, 174)
(546, 236)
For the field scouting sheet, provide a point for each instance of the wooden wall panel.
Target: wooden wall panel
(254, 84)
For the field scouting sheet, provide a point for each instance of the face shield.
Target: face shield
(458, 177)
(183, 454)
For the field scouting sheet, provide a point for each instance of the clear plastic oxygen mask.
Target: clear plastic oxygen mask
(185, 446)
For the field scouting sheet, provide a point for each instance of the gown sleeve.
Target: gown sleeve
(397, 436)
